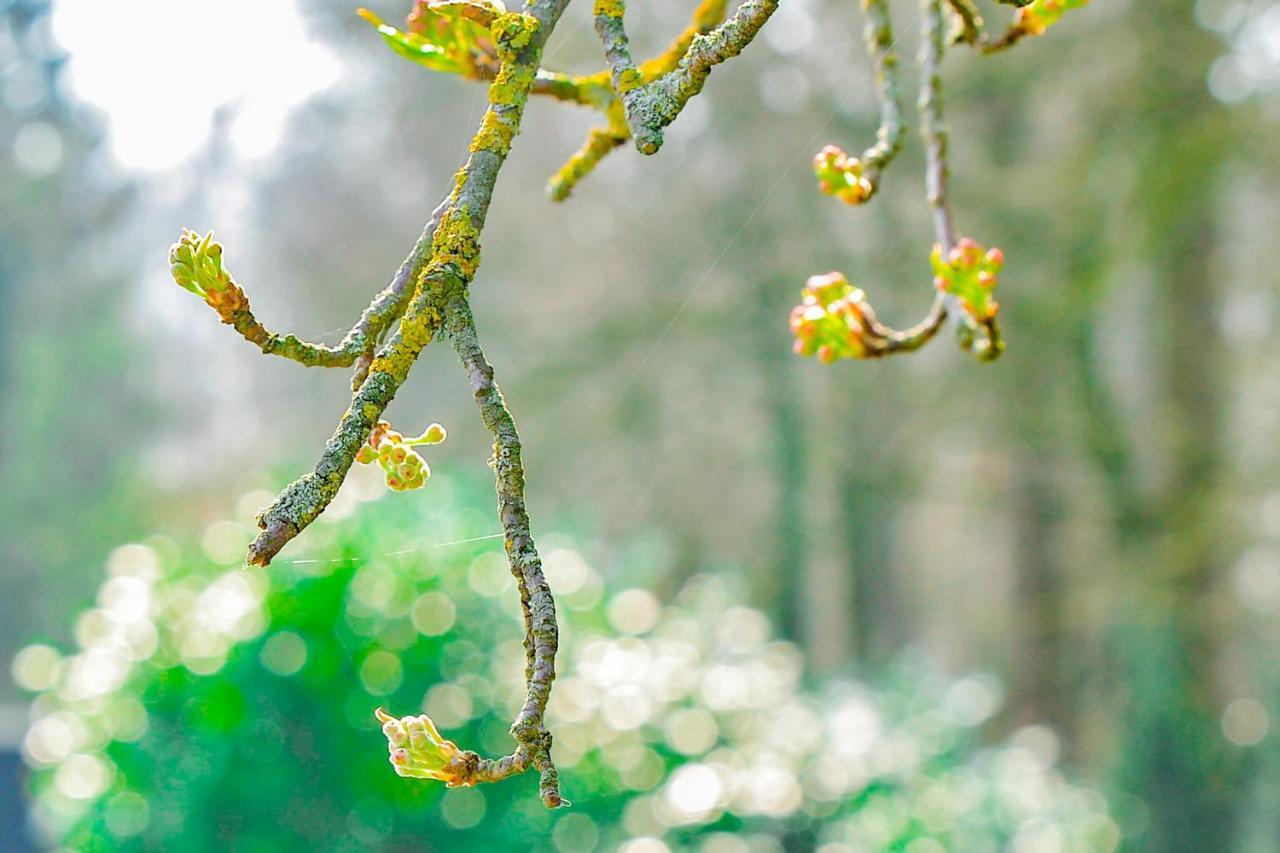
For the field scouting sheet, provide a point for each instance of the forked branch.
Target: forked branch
(428, 296)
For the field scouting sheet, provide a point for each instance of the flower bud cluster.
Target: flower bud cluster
(832, 319)
(842, 176)
(404, 468)
(1042, 14)
(418, 750)
(195, 263)
(969, 272)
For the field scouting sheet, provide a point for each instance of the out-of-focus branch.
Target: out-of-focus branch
(834, 319)
(854, 180)
(439, 300)
(981, 332)
(879, 39)
(600, 142)
(968, 28)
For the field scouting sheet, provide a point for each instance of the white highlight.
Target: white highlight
(161, 69)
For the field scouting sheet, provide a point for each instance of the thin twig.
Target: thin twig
(541, 635)
(982, 337)
(879, 42)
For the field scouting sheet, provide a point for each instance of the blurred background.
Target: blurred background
(925, 604)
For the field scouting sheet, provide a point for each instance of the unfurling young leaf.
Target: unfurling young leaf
(418, 750)
(451, 36)
(1039, 15)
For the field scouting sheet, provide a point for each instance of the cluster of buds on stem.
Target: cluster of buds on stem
(403, 467)
(832, 321)
(969, 273)
(417, 750)
(195, 263)
(842, 176)
(1037, 17)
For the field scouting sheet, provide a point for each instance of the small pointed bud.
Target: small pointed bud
(995, 257)
(433, 434)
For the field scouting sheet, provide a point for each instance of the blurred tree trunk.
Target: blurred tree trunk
(868, 514)
(1040, 689)
(780, 583)
(1176, 759)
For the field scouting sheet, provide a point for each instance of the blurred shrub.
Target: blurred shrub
(211, 706)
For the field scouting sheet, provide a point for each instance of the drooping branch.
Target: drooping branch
(880, 42)
(417, 749)
(977, 313)
(541, 636)
(454, 258)
(933, 125)
(855, 180)
(479, 39)
(442, 265)
(834, 319)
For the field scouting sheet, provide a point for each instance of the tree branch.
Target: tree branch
(652, 106)
(980, 335)
(541, 635)
(889, 137)
(454, 256)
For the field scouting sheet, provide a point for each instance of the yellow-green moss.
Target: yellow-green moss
(416, 331)
(457, 242)
(494, 135)
(513, 31)
(610, 8)
(629, 79)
